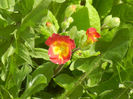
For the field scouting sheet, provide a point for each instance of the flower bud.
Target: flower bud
(48, 24)
(111, 22)
(70, 10)
(51, 27)
(70, 20)
(115, 22)
(65, 25)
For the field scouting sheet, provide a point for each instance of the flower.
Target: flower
(60, 48)
(48, 24)
(73, 7)
(92, 35)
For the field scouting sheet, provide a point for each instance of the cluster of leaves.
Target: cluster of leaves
(25, 69)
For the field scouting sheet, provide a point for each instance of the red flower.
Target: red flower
(60, 48)
(92, 35)
(48, 24)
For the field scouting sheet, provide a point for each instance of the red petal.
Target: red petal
(97, 35)
(56, 59)
(91, 30)
(57, 37)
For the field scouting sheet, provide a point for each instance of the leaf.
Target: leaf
(7, 54)
(129, 1)
(85, 53)
(119, 46)
(103, 7)
(3, 22)
(64, 81)
(94, 77)
(24, 6)
(40, 53)
(52, 18)
(35, 15)
(115, 94)
(5, 94)
(123, 11)
(6, 4)
(107, 35)
(23, 52)
(21, 74)
(37, 84)
(86, 17)
(81, 19)
(106, 85)
(53, 28)
(59, 1)
(73, 32)
(77, 93)
(42, 95)
(29, 37)
(46, 69)
(16, 77)
(94, 19)
(80, 38)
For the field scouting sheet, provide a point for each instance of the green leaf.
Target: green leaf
(24, 6)
(23, 52)
(129, 1)
(123, 11)
(107, 35)
(4, 94)
(82, 64)
(35, 85)
(16, 77)
(119, 46)
(29, 37)
(6, 4)
(49, 30)
(42, 95)
(73, 32)
(46, 69)
(59, 1)
(6, 38)
(80, 38)
(103, 7)
(94, 19)
(86, 17)
(106, 85)
(3, 22)
(94, 78)
(35, 15)
(76, 93)
(64, 81)
(40, 53)
(85, 53)
(116, 49)
(81, 19)
(51, 18)
(115, 94)
(7, 54)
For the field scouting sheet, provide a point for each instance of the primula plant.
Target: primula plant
(66, 49)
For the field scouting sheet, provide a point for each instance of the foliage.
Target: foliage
(101, 70)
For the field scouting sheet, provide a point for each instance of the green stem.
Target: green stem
(76, 49)
(58, 69)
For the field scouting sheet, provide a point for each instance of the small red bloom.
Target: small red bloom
(60, 48)
(92, 35)
(48, 24)
(74, 8)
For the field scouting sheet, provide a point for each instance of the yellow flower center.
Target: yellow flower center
(61, 49)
